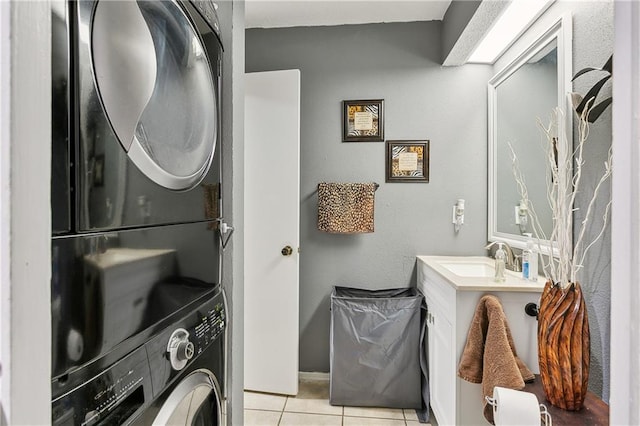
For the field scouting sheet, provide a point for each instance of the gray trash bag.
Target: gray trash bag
(376, 348)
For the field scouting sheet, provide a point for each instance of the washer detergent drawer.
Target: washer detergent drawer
(113, 397)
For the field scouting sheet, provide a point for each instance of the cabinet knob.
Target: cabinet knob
(286, 251)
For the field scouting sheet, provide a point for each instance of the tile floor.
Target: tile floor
(311, 407)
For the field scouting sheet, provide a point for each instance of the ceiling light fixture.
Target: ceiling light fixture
(515, 19)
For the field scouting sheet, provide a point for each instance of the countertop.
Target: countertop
(514, 281)
(594, 412)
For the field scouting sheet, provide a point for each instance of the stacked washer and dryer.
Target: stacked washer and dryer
(138, 310)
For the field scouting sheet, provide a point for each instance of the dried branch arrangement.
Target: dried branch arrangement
(564, 166)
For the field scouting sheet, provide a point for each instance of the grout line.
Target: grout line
(282, 412)
(316, 414)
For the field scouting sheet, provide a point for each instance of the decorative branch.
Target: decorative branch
(580, 241)
(565, 167)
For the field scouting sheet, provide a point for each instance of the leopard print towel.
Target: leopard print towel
(346, 208)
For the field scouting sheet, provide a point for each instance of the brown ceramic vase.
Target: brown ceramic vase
(563, 345)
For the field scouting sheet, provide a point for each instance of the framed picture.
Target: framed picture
(407, 161)
(363, 121)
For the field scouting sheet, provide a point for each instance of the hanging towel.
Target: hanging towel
(489, 356)
(346, 208)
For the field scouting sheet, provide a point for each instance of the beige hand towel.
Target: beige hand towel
(346, 208)
(489, 356)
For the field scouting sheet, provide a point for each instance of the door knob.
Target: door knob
(286, 251)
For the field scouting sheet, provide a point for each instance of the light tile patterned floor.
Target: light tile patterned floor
(311, 408)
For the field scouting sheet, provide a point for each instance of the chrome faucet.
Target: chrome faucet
(512, 262)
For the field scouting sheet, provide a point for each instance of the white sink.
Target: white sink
(477, 273)
(469, 269)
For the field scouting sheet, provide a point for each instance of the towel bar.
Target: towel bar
(531, 309)
(377, 185)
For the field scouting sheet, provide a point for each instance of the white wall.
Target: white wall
(5, 86)
(231, 14)
(625, 298)
(25, 130)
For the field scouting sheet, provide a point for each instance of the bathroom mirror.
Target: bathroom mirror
(523, 92)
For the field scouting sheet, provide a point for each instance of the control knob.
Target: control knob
(180, 349)
(184, 351)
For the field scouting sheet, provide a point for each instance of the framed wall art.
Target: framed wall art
(363, 121)
(407, 161)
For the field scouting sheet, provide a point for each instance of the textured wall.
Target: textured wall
(398, 62)
(592, 46)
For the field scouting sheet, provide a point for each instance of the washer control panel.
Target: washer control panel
(112, 397)
(174, 349)
(209, 328)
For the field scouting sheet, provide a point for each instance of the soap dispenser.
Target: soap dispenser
(500, 257)
(530, 260)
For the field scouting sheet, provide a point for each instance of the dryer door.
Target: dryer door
(156, 85)
(194, 401)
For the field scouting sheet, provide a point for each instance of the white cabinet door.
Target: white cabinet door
(442, 366)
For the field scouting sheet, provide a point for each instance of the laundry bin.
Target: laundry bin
(376, 338)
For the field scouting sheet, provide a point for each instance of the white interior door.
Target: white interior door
(271, 231)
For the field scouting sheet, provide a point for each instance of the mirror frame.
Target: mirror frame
(561, 30)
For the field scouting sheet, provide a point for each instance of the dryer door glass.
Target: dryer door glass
(157, 88)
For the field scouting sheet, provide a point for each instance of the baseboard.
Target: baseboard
(312, 375)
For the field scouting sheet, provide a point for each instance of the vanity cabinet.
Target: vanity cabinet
(451, 302)
(442, 365)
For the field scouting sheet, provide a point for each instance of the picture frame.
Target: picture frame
(407, 161)
(363, 120)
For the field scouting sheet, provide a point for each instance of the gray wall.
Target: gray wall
(592, 46)
(398, 62)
